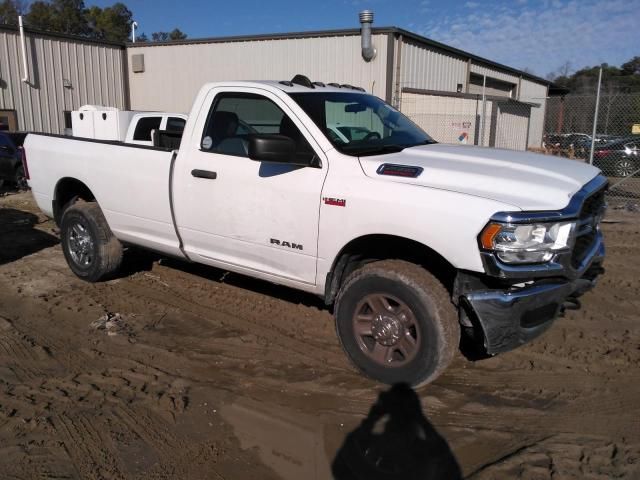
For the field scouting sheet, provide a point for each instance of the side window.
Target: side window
(67, 119)
(144, 127)
(176, 123)
(234, 117)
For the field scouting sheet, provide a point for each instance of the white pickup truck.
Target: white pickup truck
(412, 242)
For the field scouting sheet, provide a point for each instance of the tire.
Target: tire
(624, 167)
(89, 247)
(396, 323)
(21, 179)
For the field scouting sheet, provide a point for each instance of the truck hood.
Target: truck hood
(528, 181)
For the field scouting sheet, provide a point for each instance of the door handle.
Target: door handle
(204, 174)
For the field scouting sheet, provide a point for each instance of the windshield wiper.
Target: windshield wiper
(379, 150)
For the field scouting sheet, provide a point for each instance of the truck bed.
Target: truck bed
(129, 182)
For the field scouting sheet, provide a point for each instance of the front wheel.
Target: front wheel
(396, 323)
(89, 246)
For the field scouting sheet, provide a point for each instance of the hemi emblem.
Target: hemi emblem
(337, 202)
(407, 171)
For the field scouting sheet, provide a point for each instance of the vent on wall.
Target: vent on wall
(137, 63)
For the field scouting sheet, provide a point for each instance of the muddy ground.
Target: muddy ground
(208, 375)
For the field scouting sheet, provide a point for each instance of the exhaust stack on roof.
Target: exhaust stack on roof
(368, 50)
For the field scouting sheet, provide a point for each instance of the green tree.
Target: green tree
(632, 67)
(71, 16)
(110, 23)
(9, 11)
(159, 36)
(625, 79)
(40, 16)
(64, 16)
(175, 34)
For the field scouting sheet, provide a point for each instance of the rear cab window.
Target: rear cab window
(144, 127)
(176, 124)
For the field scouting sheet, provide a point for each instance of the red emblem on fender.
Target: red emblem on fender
(337, 202)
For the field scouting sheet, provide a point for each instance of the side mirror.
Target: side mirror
(272, 149)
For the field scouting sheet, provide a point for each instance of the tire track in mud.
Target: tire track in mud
(71, 407)
(255, 320)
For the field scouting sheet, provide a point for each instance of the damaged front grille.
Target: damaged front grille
(587, 226)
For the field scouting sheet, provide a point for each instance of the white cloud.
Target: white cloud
(471, 4)
(543, 36)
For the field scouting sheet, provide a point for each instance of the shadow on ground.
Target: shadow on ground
(395, 441)
(255, 285)
(18, 237)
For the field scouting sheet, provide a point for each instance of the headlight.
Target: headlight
(527, 243)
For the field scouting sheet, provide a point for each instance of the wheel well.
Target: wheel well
(370, 248)
(67, 191)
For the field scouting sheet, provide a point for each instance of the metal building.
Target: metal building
(438, 86)
(56, 74)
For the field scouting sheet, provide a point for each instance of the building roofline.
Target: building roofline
(468, 96)
(283, 36)
(62, 36)
(432, 43)
(347, 32)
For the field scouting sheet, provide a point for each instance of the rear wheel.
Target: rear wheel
(89, 247)
(396, 323)
(21, 179)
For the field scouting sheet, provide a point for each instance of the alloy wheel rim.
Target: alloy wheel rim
(625, 168)
(80, 245)
(386, 330)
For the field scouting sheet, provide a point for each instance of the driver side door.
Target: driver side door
(244, 215)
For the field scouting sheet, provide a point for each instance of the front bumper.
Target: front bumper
(515, 303)
(513, 316)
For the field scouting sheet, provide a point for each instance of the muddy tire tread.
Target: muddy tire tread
(431, 290)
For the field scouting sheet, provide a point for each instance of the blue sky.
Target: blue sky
(540, 35)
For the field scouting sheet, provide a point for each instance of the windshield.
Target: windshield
(359, 125)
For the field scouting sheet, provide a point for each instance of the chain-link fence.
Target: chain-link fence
(570, 122)
(558, 125)
(491, 121)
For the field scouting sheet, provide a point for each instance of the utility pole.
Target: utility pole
(595, 118)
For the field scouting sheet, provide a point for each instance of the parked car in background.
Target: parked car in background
(619, 158)
(11, 153)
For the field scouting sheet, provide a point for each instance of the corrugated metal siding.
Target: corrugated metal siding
(535, 93)
(174, 73)
(428, 69)
(512, 123)
(96, 73)
(447, 119)
(493, 73)
(458, 120)
(477, 90)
